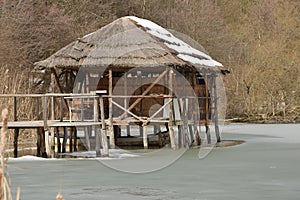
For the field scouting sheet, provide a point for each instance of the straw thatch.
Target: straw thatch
(123, 43)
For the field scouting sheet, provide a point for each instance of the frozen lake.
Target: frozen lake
(266, 166)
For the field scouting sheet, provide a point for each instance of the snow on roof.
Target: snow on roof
(184, 51)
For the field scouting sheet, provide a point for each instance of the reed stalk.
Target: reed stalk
(5, 192)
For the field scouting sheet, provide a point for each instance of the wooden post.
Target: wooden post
(16, 131)
(52, 134)
(45, 118)
(216, 110)
(37, 108)
(38, 142)
(110, 118)
(97, 134)
(171, 130)
(65, 139)
(61, 110)
(58, 140)
(196, 132)
(207, 111)
(103, 128)
(87, 137)
(16, 136)
(75, 139)
(126, 102)
(145, 137)
(70, 139)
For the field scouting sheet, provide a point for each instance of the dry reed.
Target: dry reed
(5, 192)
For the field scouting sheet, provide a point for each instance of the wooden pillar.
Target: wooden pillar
(103, 129)
(207, 111)
(216, 110)
(110, 118)
(171, 130)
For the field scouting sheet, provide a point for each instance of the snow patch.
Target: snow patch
(184, 51)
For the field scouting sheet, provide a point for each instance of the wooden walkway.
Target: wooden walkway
(54, 113)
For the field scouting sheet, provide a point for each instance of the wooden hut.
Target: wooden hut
(151, 78)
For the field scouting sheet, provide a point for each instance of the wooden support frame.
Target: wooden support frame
(145, 92)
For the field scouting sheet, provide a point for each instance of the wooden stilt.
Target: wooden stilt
(16, 136)
(38, 142)
(171, 130)
(141, 131)
(184, 124)
(110, 118)
(87, 137)
(196, 133)
(16, 131)
(75, 139)
(58, 140)
(207, 131)
(191, 133)
(103, 129)
(97, 141)
(43, 143)
(145, 137)
(65, 139)
(216, 118)
(70, 139)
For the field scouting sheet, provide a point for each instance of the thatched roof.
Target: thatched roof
(128, 42)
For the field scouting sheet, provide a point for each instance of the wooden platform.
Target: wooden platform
(50, 124)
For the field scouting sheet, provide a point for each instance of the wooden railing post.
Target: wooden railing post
(16, 131)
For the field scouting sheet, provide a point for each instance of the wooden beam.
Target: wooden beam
(146, 92)
(59, 86)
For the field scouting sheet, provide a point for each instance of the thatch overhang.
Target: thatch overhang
(129, 42)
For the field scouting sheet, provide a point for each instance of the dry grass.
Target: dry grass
(5, 192)
(13, 82)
